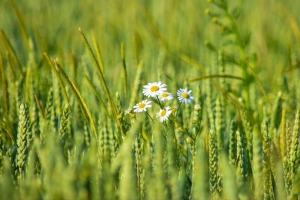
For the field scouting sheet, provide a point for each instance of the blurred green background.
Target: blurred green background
(159, 31)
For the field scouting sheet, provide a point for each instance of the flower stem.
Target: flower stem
(177, 109)
(160, 104)
(150, 117)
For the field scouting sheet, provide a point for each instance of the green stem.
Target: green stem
(177, 109)
(150, 117)
(159, 102)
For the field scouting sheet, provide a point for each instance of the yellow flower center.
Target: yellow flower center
(185, 95)
(154, 88)
(163, 113)
(142, 105)
(164, 95)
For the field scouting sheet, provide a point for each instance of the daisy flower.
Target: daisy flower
(185, 96)
(165, 96)
(142, 106)
(164, 114)
(154, 89)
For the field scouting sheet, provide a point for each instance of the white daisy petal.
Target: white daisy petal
(142, 106)
(185, 96)
(128, 111)
(165, 96)
(164, 114)
(154, 89)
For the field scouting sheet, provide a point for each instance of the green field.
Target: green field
(86, 107)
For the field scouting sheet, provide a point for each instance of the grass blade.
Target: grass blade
(103, 82)
(82, 103)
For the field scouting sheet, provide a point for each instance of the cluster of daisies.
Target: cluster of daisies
(158, 91)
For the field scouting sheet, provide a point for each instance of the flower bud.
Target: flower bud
(197, 107)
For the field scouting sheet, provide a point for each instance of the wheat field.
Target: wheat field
(149, 99)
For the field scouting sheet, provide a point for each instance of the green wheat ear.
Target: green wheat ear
(86, 135)
(138, 144)
(197, 120)
(283, 148)
(248, 134)
(21, 141)
(57, 98)
(243, 163)
(64, 129)
(49, 110)
(286, 160)
(120, 114)
(219, 124)
(209, 102)
(267, 187)
(294, 149)
(232, 144)
(213, 164)
(257, 163)
(276, 115)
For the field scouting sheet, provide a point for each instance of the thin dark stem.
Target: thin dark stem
(177, 109)
(160, 104)
(150, 117)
